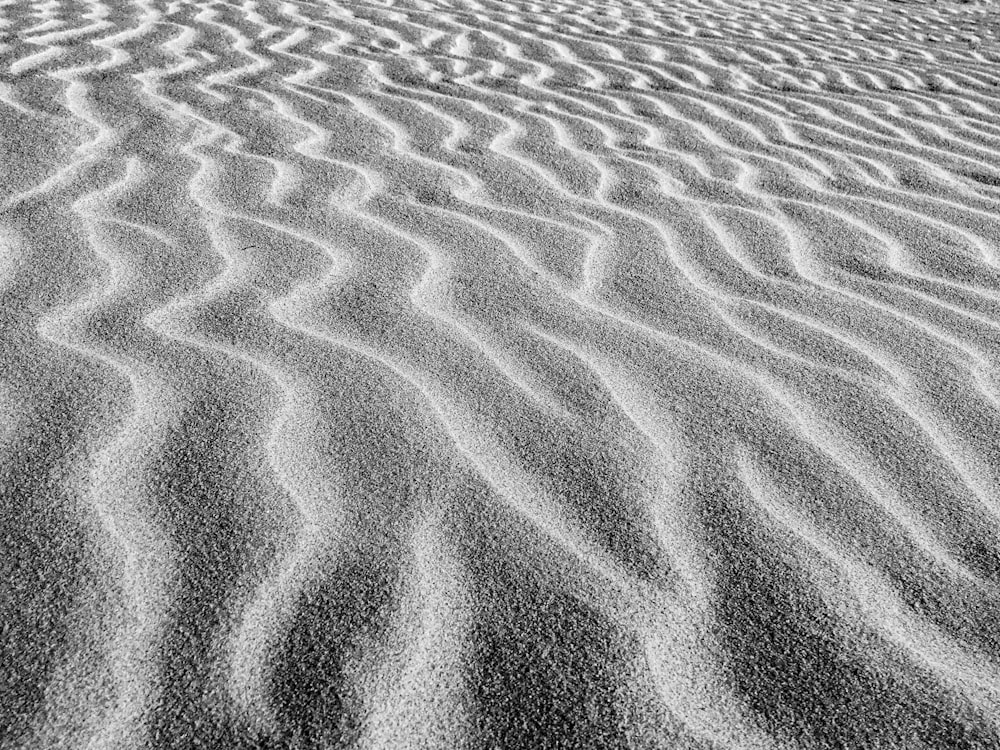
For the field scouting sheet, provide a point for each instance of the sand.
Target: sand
(499, 374)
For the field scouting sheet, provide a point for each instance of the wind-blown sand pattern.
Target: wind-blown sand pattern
(500, 374)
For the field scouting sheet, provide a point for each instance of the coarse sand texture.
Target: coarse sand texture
(499, 375)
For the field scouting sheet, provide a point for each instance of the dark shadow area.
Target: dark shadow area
(799, 669)
(335, 628)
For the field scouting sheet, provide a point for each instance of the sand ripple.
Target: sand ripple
(501, 374)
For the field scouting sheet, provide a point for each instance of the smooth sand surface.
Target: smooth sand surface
(499, 374)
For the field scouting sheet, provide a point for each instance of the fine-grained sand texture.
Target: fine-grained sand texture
(499, 374)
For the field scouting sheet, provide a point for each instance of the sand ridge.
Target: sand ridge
(498, 374)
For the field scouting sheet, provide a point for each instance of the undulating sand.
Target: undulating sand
(499, 374)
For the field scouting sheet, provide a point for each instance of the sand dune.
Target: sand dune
(499, 374)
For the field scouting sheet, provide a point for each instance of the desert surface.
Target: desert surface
(499, 374)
